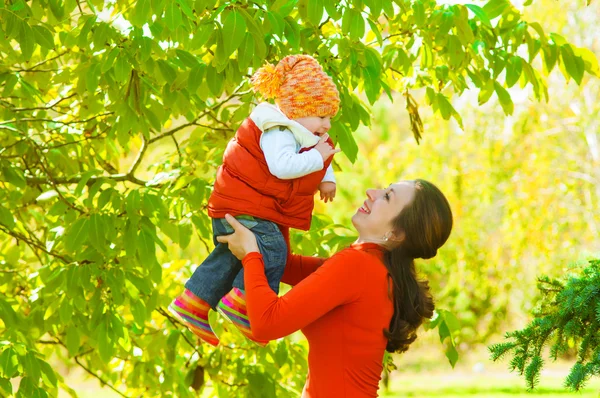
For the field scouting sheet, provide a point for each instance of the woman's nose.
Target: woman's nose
(327, 124)
(372, 194)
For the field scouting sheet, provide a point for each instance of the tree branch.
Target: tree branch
(102, 381)
(40, 64)
(178, 150)
(75, 180)
(164, 313)
(138, 160)
(205, 113)
(29, 119)
(42, 107)
(23, 238)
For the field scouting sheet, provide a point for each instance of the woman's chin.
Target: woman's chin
(355, 219)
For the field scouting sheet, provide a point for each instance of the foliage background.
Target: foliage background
(524, 188)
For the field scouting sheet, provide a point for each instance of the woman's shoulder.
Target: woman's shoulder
(358, 256)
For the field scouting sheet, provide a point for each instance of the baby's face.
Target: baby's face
(315, 124)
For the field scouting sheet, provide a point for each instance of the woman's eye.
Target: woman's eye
(387, 196)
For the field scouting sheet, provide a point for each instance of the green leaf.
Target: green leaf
(26, 39)
(495, 8)
(14, 176)
(504, 98)
(347, 18)
(187, 59)
(480, 13)
(245, 53)
(357, 25)
(463, 29)
(13, 25)
(444, 331)
(214, 81)
(109, 59)
(146, 247)
(5, 387)
(6, 218)
(65, 311)
(452, 354)
(451, 321)
(171, 346)
(122, 68)
(292, 34)
(445, 108)
(202, 35)
(375, 30)
(314, 11)
(331, 7)
(173, 18)
(72, 340)
(550, 53)
(589, 59)
(105, 346)
(486, 92)
(31, 367)
(426, 56)
(48, 374)
(186, 8)
(419, 13)
(195, 78)
(43, 37)
(97, 232)
(558, 39)
(92, 77)
(9, 363)
(167, 71)
(145, 48)
(57, 8)
(513, 70)
(133, 203)
(234, 29)
(372, 83)
(76, 235)
(277, 24)
(139, 312)
(346, 141)
(185, 233)
(141, 13)
(573, 63)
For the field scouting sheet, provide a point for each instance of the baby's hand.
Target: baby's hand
(324, 148)
(327, 189)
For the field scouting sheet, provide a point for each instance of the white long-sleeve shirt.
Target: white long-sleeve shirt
(284, 160)
(281, 142)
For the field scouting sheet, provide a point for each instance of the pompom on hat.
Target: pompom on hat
(299, 86)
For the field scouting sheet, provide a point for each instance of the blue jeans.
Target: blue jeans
(221, 270)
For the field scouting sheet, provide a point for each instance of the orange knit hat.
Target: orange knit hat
(300, 87)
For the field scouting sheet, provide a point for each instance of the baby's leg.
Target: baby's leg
(209, 282)
(273, 248)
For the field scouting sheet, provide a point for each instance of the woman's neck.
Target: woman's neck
(364, 239)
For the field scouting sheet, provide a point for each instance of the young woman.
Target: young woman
(363, 300)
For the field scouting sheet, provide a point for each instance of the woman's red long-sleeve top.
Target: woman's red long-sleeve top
(342, 305)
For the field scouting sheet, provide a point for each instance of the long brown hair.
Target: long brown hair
(425, 224)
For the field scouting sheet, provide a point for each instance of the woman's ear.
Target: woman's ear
(395, 236)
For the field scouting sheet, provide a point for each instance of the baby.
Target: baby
(271, 171)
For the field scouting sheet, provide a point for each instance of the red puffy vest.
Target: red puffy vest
(244, 185)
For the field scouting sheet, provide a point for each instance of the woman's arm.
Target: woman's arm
(336, 282)
(297, 267)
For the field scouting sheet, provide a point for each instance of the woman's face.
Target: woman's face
(373, 220)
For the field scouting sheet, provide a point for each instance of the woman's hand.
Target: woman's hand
(242, 241)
